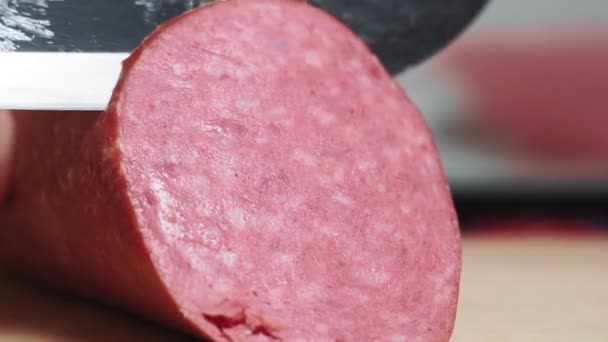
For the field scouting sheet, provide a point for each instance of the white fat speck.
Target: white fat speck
(324, 118)
(381, 187)
(246, 104)
(351, 134)
(324, 179)
(329, 231)
(205, 207)
(211, 128)
(304, 158)
(442, 291)
(365, 165)
(236, 71)
(429, 161)
(436, 190)
(228, 258)
(277, 112)
(285, 259)
(310, 293)
(405, 208)
(225, 173)
(386, 316)
(339, 175)
(334, 91)
(211, 237)
(391, 103)
(321, 328)
(381, 226)
(247, 35)
(294, 202)
(173, 159)
(364, 80)
(180, 85)
(356, 295)
(261, 139)
(420, 139)
(222, 284)
(342, 198)
(273, 11)
(403, 320)
(228, 140)
(214, 66)
(375, 277)
(369, 98)
(225, 113)
(288, 122)
(273, 223)
(247, 266)
(407, 150)
(276, 293)
(397, 338)
(355, 64)
(178, 68)
(269, 67)
(313, 59)
(362, 298)
(325, 40)
(193, 255)
(392, 154)
(362, 257)
(236, 216)
(201, 182)
(217, 102)
(166, 208)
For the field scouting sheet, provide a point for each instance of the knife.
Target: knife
(67, 54)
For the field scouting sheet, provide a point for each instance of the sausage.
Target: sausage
(257, 176)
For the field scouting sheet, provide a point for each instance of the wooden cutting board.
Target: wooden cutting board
(513, 290)
(534, 290)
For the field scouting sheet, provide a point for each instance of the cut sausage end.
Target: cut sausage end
(258, 176)
(269, 153)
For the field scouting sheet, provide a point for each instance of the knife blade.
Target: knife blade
(66, 54)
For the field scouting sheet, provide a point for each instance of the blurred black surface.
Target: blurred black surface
(472, 206)
(99, 26)
(401, 32)
(405, 32)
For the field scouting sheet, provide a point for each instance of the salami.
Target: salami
(257, 176)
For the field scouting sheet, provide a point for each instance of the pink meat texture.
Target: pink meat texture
(257, 176)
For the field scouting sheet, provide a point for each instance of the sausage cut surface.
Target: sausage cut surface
(257, 176)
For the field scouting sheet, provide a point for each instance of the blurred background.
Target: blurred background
(517, 107)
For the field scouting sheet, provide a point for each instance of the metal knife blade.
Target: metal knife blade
(66, 54)
(58, 81)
